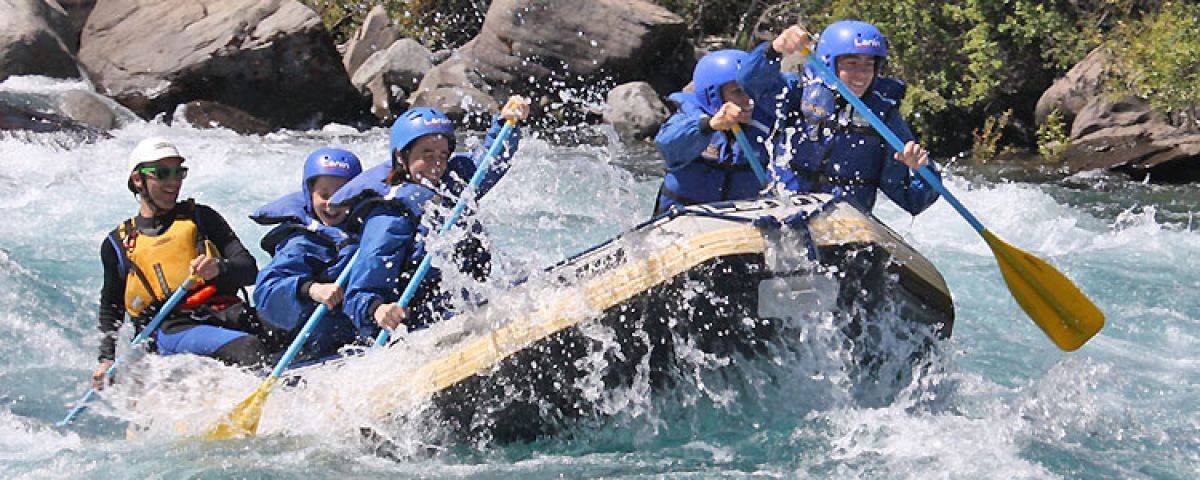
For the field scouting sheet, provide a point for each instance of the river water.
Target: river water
(997, 401)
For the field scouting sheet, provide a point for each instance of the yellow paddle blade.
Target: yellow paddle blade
(1051, 299)
(243, 420)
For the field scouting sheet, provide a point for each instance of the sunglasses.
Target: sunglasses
(165, 173)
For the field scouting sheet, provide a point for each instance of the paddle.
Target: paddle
(410, 290)
(173, 300)
(242, 421)
(751, 157)
(1054, 303)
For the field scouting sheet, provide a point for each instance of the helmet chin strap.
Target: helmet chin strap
(144, 192)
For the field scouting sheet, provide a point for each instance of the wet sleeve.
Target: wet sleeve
(898, 182)
(774, 94)
(112, 301)
(238, 268)
(683, 138)
(387, 241)
(499, 165)
(277, 292)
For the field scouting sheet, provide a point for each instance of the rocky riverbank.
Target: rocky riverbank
(259, 65)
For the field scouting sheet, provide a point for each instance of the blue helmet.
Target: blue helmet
(333, 162)
(712, 71)
(851, 37)
(419, 122)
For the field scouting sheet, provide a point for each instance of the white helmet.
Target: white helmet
(149, 150)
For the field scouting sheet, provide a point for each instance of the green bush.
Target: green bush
(1052, 136)
(435, 23)
(1158, 58)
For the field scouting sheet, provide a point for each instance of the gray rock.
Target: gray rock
(545, 46)
(206, 114)
(91, 109)
(1103, 114)
(390, 75)
(375, 35)
(635, 111)
(271, 58)
(456, 88)
(1073, 92)
(35, 39)
(1128, 136)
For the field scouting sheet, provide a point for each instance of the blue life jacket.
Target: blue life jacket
(836, 150)
(303, 250)
(720, 170)
(290, 214)
(388, 217)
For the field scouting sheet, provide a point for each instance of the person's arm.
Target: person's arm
(685, 135)
(516, 108)
(762, 80)
(897, 180)
(499, 165)
(111, 313)
(237, 265)
(387, 241)
(280, 293)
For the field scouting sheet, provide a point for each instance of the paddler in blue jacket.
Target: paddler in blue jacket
(388, 201)
(309, 247)
(821, 144)
(704, 162)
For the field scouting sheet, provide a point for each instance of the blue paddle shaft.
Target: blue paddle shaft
(172, 301)
(892, 139)
(410, 290)
(751, 157)
(312, 322)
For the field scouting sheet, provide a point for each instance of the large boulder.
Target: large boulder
(1079, 86)
(1103, 114)
(635, 111)
(89, 108)
(545, 47)
(272, 58)
(375, 35)
(391, 75)
(206, 114)
(1127, 135)
(456, 89)
(35, 39)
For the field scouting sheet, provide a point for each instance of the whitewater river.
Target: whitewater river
(999, 400)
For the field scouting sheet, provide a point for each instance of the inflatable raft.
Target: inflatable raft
(726, 278)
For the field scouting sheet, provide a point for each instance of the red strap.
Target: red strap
(197, 299)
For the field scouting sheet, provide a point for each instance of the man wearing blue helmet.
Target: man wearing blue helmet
(387, 204)
(704, 162)
(309, 247)
(823, 145)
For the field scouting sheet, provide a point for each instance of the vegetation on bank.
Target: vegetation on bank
(967, 62)
(1159, 59)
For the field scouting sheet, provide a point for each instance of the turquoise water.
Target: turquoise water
(998, 401)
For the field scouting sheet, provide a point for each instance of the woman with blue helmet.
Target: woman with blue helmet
(309, 246)
(704, 163)
(387, 204)
(830, 148)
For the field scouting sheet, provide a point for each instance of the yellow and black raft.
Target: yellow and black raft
(725, 278)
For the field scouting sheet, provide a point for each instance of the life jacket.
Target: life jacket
(290, 216)
(721, 171)
(154, 266)
(836, 150)
(370, 189)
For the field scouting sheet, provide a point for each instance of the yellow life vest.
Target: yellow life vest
(157, 264)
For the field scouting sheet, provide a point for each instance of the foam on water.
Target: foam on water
(997, 401)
